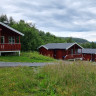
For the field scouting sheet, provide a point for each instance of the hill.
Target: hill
(78, 40)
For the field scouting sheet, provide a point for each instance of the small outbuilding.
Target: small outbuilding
(89, 54)
(9, 39)
(61, 50)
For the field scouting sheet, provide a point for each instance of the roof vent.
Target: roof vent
(6, 22)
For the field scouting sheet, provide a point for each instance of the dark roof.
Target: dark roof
(88, 51)
(11, 28)
(58, 45)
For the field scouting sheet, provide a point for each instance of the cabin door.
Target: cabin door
(93, 57)
(55, 54)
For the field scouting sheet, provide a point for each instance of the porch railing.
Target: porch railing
(10, 47)
(73, 56)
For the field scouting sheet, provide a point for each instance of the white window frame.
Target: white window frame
(11, 39)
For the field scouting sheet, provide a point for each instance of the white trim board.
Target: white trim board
(9, 51)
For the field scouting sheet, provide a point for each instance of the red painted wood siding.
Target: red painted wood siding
(46, 52)
(60, 53)
(89, 57)
(7, 33)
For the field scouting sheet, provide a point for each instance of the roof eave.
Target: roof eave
(43, 46)
(12, 29)
(72, 45)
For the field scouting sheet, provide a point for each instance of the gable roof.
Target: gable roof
(59, 45)
(11, 28)
(88, 51)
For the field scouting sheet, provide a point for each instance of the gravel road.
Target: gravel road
(13, 64)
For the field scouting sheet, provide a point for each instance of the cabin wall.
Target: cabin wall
(6, 33)
(74, 48)
(89, 57)
(46, 52)
(6, 46)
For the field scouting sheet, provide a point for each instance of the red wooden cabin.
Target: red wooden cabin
(61, 50)
(89, 54)
(9, 39)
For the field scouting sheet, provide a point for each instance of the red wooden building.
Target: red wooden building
(89, 54)
(61, 50)
(9, 39)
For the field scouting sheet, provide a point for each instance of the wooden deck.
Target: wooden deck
(10, 47)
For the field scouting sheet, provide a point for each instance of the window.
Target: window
(11, 40)
(2, 40)
(71, 51)
(76, 51)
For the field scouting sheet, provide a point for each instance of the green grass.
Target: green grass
(27, 57)
(64, 79)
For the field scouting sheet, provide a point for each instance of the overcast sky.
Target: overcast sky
(75, 18)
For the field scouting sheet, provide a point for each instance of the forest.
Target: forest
(34, 37)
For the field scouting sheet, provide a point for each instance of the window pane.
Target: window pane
(9, 40)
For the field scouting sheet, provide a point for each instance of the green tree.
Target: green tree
(3, 18)
(69, 40)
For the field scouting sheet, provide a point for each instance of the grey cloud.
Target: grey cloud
(54, 15)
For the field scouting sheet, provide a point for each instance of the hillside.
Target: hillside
(27, 57)
(78, 40)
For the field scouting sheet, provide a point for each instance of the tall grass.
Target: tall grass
(76, 79)
(64, 79)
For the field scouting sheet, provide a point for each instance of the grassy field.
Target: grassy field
(64, 79)
(27, 57)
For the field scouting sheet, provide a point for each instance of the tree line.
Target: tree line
(33, 37)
